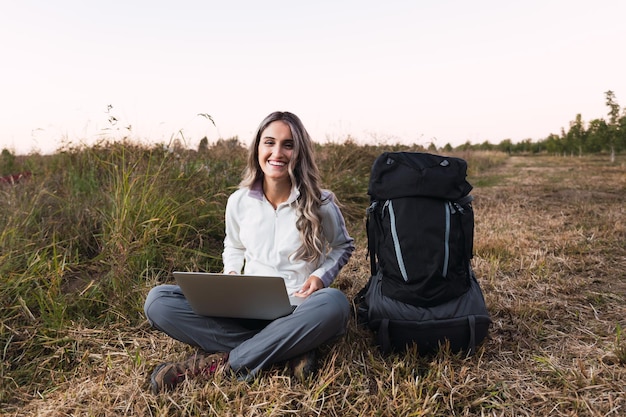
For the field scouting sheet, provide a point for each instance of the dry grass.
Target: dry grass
(550, 256)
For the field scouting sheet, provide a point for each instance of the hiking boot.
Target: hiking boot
(303, 366)
(167, 375)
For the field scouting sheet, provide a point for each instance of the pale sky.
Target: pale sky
(381, 71)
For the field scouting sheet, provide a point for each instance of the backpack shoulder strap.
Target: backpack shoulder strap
(370, 226)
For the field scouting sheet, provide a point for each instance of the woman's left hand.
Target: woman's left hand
(311, 285)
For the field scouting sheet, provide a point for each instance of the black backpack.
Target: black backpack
(420, 228)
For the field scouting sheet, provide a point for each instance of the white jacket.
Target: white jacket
(263, 241)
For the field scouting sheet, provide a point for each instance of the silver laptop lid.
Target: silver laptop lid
(237, 296)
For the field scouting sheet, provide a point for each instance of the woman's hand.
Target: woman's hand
(311, 285)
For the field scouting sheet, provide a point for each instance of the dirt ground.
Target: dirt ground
(551, 254)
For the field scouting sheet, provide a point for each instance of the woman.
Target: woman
(279, 222)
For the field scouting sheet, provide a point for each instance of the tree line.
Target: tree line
(597, 136)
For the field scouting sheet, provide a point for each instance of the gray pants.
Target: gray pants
(253, 344)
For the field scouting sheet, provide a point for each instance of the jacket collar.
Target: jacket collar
(256, 192)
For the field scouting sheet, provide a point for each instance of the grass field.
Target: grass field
(82, 242)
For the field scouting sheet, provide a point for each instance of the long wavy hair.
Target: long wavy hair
(304, 174)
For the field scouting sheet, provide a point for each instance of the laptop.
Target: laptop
(237, 296)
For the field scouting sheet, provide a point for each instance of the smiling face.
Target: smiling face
(275, 150)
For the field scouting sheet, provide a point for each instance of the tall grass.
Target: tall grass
(95, 226)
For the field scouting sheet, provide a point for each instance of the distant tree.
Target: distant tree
(537, 147)
(7, 162)
(465, 147)
(486, 146)
(203, 146)
(568, 143)
(597, 136)
(613, 125)
(553, 144)
(621, 139)
(506, 146)
(614, 108)
(577, 136)
(447, 147)
(525, 146)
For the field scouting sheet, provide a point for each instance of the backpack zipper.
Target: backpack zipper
(446, 244)
(396, 241)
